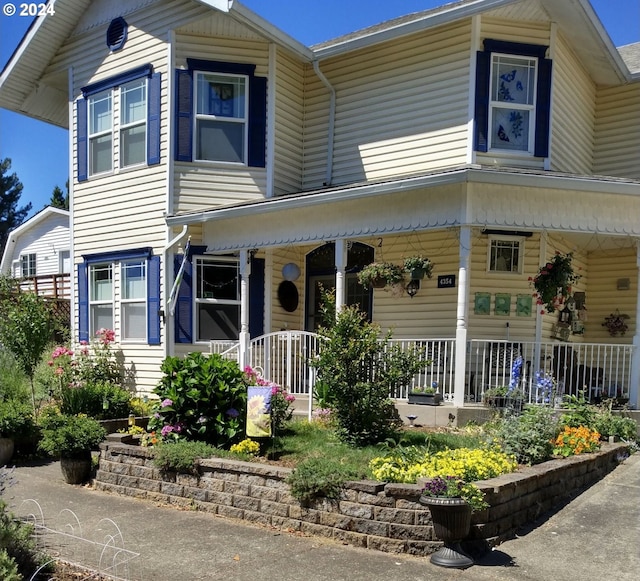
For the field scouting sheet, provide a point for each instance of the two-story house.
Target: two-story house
(211, 148)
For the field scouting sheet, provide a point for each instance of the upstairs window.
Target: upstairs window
(221, 118)
(118, 123)
(221, 111)
(512, 106)
(513, 98)
(28, 265)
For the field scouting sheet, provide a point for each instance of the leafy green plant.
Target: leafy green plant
(609, 424)
(554, 280)
(419, 263)
(527, 436)
(14, 384)
(319, 477)
(381, 273)
(70, 436)
(16, 419)
(101, 400)
(200, 398)
(578, 412)
(361, 372)
(8, 567)
(182, 456)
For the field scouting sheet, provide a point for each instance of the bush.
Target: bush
(182, 456)
(16, 419)
(529, 436)
(13, 381)
(70, 436)
(320, 477)
(360, 372)
(200, 398)
(609, 424)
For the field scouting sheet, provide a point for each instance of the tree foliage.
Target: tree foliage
(60, 199)
(11, 216)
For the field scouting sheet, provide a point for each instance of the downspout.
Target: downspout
(332, 119)
(71, 194)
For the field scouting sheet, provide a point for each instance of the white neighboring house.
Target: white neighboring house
(38, 253)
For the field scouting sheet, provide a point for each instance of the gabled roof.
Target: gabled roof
(44, 214)
(23, 88)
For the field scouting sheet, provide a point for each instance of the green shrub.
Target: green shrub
(529, 436)
(8, 567)
(360, 371)
(182, 456)
(70, 436)
(14, 384)
(606, 423)
(200, 398)
(320, 477)
(101, 400)
(16, 419)
(578, 412)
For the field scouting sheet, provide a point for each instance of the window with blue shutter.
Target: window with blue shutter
(221, 111)
(512, 98)
(137, 300)
(133, 136)
(183, 316)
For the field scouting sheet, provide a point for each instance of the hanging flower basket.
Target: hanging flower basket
(381, 274)
(554, 281)
(418, 267)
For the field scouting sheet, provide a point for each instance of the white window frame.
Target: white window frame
(97, 302)
(198, 117)
(118, 126)
(201, 300)
(509, 241)
(126, 333)
(28, 264)
(495, 104)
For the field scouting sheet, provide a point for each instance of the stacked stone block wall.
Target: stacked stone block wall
(369, 514)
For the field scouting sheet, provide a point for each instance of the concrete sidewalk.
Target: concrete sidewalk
(596, 536)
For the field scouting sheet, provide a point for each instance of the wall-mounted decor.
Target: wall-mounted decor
(502, 304)
(523, 305)
(288, 296)
(482, 304)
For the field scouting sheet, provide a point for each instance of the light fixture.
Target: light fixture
(413, 287)
(291, 271)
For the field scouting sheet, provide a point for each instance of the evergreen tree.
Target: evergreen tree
(11, 216)
(59, 199)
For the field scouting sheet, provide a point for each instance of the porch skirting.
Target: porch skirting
(369, 514)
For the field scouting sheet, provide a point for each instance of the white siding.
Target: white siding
(617, 131)
(401, 108)
(573, 113)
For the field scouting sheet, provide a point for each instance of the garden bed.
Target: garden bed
(369, 514)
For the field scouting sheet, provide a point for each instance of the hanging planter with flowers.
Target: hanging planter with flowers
(615, 324)
(554, 281)
(418, 267)
(381, 274)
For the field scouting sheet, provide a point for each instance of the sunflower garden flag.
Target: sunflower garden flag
(259, 411)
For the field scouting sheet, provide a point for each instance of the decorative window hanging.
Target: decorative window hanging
(615, 323)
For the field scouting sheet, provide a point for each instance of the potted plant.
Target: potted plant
(16, 422)
(418, 267)
(554, 281)
(381, 274)
(451, 500)
(425, 396)
(71, 438)
(504, 396)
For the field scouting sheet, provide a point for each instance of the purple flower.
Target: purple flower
(233, 413)
(166, 430)
(166, 402)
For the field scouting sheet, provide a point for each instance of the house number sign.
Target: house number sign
(447, 281)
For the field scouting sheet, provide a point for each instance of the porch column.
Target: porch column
(341, 265)
(243, 336)
(461, 317)
(634, 401)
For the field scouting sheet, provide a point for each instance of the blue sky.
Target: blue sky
(39, 151)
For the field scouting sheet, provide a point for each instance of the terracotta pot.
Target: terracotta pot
(451, 519)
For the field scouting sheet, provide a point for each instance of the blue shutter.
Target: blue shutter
(481, 129)
(257, 121)
(184, 115)
(81, 138)
(153, 300)
(543, 108)
(153, 120)
(256, 298)
(83, 303)
(184, 306)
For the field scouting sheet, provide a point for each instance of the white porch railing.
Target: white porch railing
(600, 370)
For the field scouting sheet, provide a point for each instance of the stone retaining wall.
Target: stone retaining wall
(370, 514)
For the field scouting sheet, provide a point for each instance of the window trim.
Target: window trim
(133, 301)
(197, 260)
(30, 260)
(107, 132)
(93, 302)
(503, 238)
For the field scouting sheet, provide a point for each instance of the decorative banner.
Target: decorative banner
(502, 304)
(524, 305)
(259, 411)
(482, 304)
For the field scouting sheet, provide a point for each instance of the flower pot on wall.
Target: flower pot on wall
(451, 519)
(417, 273)
(425, 398)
